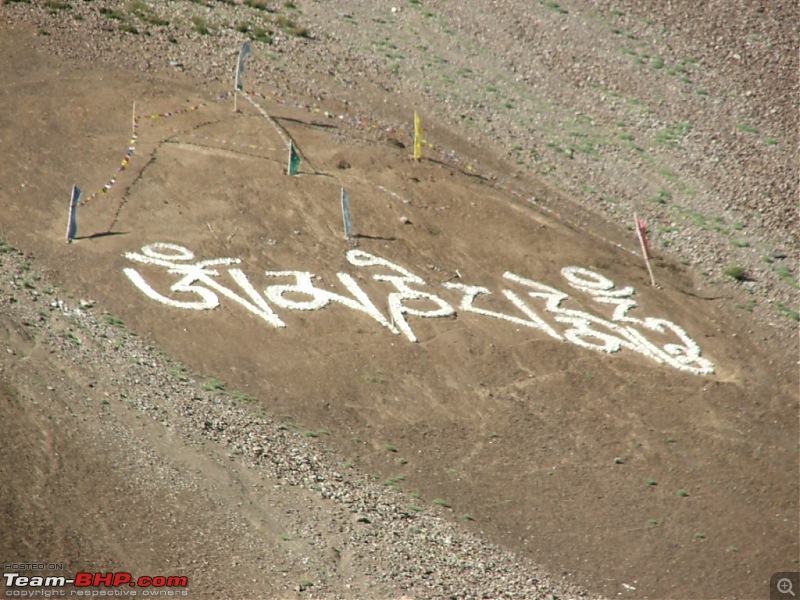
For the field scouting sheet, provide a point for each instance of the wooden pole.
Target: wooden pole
(644, 249)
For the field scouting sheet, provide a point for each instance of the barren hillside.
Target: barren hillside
(480, 394)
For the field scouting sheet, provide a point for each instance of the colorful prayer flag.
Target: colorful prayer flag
(294, 161)
(417, 137)
(643, 234)
(240, 65)
(72, 221)
(348, 232)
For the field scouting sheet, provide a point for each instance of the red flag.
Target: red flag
(643, 233)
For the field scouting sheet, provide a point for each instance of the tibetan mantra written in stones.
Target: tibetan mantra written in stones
(201, 282)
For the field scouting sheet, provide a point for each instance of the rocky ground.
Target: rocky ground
(685, 115)
(589, 111)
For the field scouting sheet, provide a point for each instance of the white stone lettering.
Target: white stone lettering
(582, 328)
(473, 291)
(397, 308)
(304, 285)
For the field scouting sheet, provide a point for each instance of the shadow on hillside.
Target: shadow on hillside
(100, 235)
(364, 236)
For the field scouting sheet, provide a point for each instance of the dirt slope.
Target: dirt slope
(293, 444)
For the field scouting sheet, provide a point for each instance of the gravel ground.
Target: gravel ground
(688, 116)
(397, 549)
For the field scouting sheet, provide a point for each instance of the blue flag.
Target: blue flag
(294, 161)
(240, 64)
(72, 223)
(348, 232)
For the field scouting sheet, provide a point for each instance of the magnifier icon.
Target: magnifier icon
(784, 586)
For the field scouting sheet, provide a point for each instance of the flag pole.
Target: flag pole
(643, 245)
(417, 137)
(72, 218)
(348, 231)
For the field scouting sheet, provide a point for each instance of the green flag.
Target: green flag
(294, 161)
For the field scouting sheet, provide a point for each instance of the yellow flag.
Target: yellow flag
(417, 137)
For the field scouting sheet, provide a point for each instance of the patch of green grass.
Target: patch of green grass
(178, 375)
(55, 5)
(618, 460)
(746, 128)
(288, 25)
(376, 378)
(257, 4)
(72, 338)
(737, 272)
(770, 141)
(555, 7)
(651, 482)
(653, 522)
(200, 25)
(128, 28)
(112, 13)
(738, 225)
(699, 535)
(733, 549)
(442, 503)
(389, 448)
(668, 174)
(112, 320)
(701, 92)
(658, 62)
(661, 197)
(787, 312)
(468, 517)
(313, 434)
(242, 396)
(698, 219)
(145, 12)
(214, 385)
(740, 243)
(673, 134)
(259, 34)
(414, 508)
(394, 480)
(683, 493)
(748, 306)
